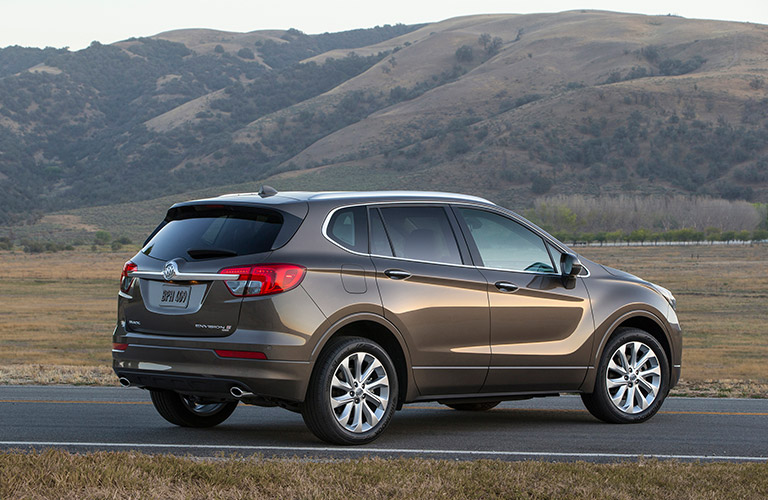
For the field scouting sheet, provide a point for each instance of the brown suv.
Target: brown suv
(345, 306)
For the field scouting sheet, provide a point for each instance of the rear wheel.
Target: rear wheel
(189, 411)
(473, 406)
(353, 392)
(632, 379)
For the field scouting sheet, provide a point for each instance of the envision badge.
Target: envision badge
(170, 270)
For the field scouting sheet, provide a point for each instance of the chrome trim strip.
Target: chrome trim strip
(555, 243)
(158, 275)
(124, 295)
(538, 367)
(450, 367)
(500, 367)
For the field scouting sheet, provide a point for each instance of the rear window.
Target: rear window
(213, 232)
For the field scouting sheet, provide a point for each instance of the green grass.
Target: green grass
(60, 475)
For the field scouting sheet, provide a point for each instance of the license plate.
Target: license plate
(175, 296)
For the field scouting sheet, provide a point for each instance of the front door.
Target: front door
(541, 325)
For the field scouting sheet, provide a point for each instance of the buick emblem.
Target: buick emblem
(170, 270)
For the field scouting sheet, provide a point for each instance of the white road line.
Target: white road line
(404, 451)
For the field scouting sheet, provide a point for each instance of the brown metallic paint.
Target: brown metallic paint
(541, 334)
(438, 309)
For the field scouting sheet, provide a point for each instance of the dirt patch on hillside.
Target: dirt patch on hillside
(69, 222)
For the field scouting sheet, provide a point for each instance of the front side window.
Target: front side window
(349, 228)
(505, 244)
(421, 233)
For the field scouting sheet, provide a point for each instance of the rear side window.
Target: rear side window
(349, 228)
(202, 232)
(421, 233)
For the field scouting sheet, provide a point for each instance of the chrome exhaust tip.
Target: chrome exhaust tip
(125, 382)
(239, 393)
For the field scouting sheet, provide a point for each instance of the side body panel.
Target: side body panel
(541, 334)
(442, 311)
(618, 302)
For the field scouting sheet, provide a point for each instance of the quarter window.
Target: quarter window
(557, 255)
(349, 228)
(421, 233)
(505, 244)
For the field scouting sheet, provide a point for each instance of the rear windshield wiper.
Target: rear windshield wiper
(205, 253)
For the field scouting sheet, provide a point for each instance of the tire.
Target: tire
(187, 411)
(339, 408)
(473, 406)
(617, 380)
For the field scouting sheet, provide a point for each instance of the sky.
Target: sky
(76, 23)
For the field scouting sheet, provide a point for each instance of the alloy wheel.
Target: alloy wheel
(633, 377)
(359, 392)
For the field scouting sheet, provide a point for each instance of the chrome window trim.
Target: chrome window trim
(494, 208)
(158, 275)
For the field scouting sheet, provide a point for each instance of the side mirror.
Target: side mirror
(570, 265)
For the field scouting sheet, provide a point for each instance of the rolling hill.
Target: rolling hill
(506, 106)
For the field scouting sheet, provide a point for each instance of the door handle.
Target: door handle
(506, 286)
(397, 274)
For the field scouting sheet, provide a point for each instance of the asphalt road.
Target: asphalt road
(556, 429)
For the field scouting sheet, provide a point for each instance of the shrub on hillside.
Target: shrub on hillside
(246, 53)
(101, 238)
(464, 54)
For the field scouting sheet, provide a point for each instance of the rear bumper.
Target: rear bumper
(213, 388)
(200, 371)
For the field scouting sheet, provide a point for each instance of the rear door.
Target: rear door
(541, 325)
(438, 303)
(186, 273)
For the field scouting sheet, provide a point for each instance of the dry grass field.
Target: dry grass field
(722, 303)
(57, 313)
(60, 475)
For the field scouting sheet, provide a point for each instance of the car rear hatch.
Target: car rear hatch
(189, 277)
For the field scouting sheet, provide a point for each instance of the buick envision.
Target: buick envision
(345, 306)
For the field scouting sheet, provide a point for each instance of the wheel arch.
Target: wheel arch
(640, 319)
(377, 329)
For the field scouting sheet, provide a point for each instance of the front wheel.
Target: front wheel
(353, 392)
(188, 411)
(632, 379)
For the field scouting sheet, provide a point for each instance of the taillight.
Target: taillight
(125, 280)
(265, 279)
(119, 347)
